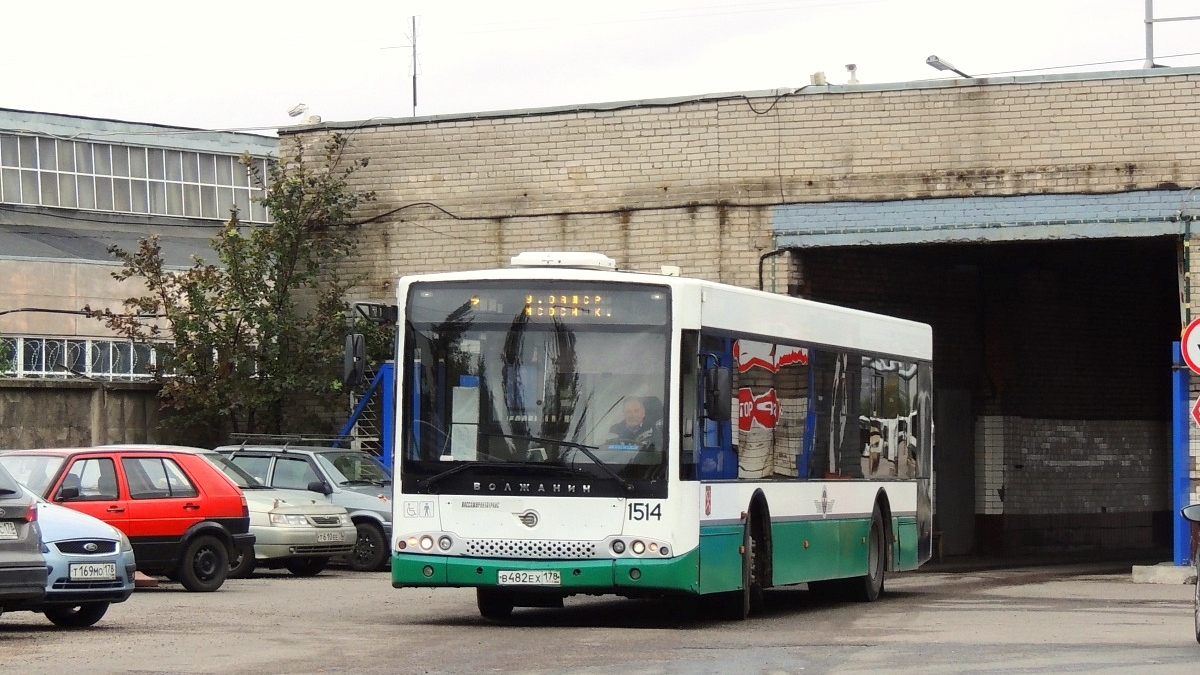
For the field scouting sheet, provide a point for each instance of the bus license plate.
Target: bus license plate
(87, 571)
(536, 578)
(330, 536)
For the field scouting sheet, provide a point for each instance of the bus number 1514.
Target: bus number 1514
(644, 511)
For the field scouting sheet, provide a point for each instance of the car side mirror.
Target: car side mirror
(320, 486)
(67, 493)
(1192, 513)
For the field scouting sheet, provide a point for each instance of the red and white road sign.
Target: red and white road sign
(1190, 345)
(1196, 412)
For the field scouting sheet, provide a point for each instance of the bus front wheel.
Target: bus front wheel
(740, 604)
(493, 604)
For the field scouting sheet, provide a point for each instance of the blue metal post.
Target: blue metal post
(385, 381)
(1181, 415)
(388, 432)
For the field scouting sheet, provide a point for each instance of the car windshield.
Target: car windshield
(240, 478)
(7, 484)
(36, 497)
(35, 472)
(353, 467)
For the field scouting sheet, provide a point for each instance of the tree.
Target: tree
(264, 327)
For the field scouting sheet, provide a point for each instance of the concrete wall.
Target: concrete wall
(50, 413)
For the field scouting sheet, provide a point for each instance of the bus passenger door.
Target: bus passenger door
(717, 460)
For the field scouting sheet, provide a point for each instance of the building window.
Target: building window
(43, 171)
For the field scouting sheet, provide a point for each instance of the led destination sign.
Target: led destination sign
(568, 305)
(624, 304)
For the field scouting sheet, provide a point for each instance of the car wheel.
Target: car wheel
(306, 567)
(242, 566)
(493, 604)
(1196, 598)
(77, 616)
(205, 564)
(370, 550)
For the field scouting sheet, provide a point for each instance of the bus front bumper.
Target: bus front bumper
(621, 576)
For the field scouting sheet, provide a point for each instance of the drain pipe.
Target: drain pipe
(762, 259)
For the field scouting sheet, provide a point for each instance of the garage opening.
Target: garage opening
(1052, 371)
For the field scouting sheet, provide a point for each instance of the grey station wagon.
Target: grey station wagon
(22, 567)
(353, 479)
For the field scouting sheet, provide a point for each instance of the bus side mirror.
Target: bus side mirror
(379, 313)
(354, 362)
(718, 393)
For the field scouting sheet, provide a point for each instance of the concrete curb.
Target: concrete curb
(141, 580)
(1164, 573)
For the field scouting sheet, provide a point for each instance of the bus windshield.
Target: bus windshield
(558, 386)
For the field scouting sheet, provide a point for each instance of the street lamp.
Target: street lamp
(944, 65)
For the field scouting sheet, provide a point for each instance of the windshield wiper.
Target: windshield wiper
(585, 449)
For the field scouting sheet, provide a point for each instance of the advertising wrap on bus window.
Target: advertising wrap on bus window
(817, 413)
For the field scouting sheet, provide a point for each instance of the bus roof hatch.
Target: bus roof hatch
(592, 261)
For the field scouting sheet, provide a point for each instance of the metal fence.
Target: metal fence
(67, 358)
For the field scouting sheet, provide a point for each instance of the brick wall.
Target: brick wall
(705, 184)
(692, 183)
(1063, 484)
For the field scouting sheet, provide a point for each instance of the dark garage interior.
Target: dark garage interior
(1058, 353)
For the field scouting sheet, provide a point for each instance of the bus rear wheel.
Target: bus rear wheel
(869, 586)
(493, 604)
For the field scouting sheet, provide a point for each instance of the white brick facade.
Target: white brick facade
(696, 184)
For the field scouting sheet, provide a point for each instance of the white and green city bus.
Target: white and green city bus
(567, 428)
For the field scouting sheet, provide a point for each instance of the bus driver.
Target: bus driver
(633, 427)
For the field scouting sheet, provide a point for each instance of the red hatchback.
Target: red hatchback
(183, 516)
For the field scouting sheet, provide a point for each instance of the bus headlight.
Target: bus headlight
(445, 542)
(426, 543)
(638, 547)
(618, 546)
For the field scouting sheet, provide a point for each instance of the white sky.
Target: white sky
(241, 64)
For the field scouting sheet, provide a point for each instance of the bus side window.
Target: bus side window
(689, 413)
